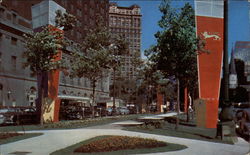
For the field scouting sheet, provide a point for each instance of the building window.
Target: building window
(85, 82)
(14, 19)
(2, 13)
(13, 62)
(71, 81)
(13, 41)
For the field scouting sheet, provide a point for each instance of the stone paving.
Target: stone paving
(53, 140)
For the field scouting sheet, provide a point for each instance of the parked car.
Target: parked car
(242, 105)
(7, 115)
(123, 110)
(74, 112)
(109, 111)
(242, 120)
(26, 115)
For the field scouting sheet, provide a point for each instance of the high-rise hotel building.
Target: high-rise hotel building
(126, 21)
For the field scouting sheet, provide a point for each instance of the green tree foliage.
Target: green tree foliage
(176, 49)
(42, 49)
(101, 52)
(41, 52)
(175, 52)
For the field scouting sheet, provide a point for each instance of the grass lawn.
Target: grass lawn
(191, 132)
(16, 137)
(70, 150)
(72, 124)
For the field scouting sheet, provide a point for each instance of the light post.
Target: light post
(114, 61)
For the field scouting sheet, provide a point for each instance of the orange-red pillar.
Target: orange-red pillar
(209, 24)
(53, 83)
(160, 99)
(185, 100)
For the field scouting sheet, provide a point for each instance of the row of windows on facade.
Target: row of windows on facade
(130, 76)
(86, 83)
(80, 82)
(8, 15)
(84, 3)
(13, 61)
(125, 22)
(130, 32)
(127, 19)
(114, 9)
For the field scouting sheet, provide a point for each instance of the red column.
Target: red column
(185, 100)
(53, 83)
(210, 65)
(160, 99)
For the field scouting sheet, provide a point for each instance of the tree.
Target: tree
(100, 52)
(176, 49)
(42, 49)
(118, 49)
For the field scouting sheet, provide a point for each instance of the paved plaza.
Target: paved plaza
(53, 140)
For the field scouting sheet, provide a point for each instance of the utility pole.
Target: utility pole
(225, 59)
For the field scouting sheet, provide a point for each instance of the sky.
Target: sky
(239, 25)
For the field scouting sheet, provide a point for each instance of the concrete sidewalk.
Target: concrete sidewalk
(53, 140)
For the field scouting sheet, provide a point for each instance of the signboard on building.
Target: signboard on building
(233, 81)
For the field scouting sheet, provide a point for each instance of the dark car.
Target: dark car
(74, 112)
(242, 120)
(18, 115)
(6, 116)
(26, 115)
(242, 105)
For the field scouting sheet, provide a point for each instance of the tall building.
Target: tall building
(126, 21)
(242, 52)
(18, 87)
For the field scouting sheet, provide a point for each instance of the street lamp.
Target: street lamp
(115, 60)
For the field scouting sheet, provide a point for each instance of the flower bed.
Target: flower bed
(115, 143)
(6, 135)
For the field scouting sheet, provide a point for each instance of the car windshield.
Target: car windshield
(6, 110)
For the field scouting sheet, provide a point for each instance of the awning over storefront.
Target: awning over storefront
(69, 97)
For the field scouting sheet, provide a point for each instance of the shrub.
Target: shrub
(115, 143)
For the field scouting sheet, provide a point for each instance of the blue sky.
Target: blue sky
(239, 25)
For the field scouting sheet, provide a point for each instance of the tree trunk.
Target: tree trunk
(42, 102)
(113, 111)
(42, 81)
(178, 104)
(188, 103)
(93, 98)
